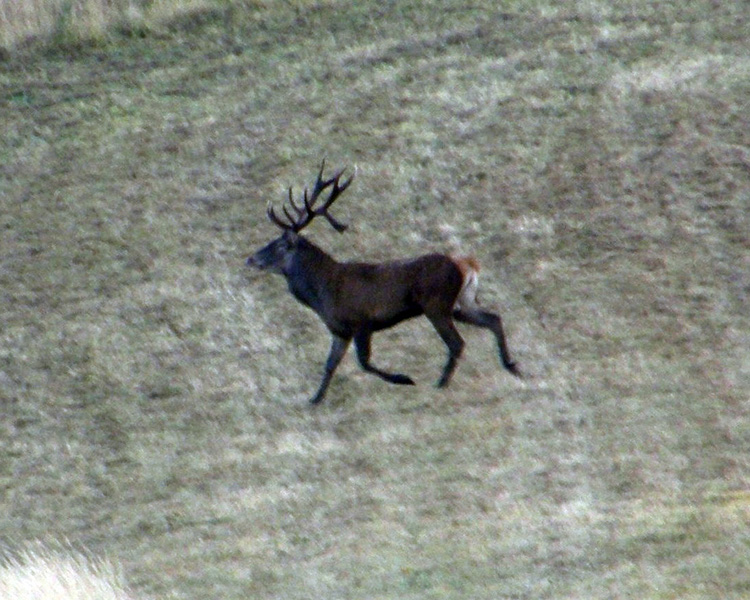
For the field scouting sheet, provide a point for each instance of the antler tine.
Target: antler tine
(337, 225)
(307, 202)
(292, 220)
(320, 173)
(338, 188)
(276, 221)
(297, 209)
(346, 183)
(304, 215)
(320, 185)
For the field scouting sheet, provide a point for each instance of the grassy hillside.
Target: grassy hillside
(593, 155)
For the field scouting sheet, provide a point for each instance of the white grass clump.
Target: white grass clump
(43, 574)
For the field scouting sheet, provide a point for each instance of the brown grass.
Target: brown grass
(67, 23)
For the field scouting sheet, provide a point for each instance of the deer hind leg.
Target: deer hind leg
(338, 349)
(362, 344)
(443, 323)
(488, 320)
(467, 310)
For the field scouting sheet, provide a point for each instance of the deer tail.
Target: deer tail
(469, 267)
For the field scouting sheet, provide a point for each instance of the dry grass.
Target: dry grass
(72, 23)
(594, 156)
(41, 574)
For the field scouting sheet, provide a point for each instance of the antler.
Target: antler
(307, 212)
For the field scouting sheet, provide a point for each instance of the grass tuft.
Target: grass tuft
(66, 25)
(38, 573)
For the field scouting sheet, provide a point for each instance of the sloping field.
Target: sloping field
(595, 156)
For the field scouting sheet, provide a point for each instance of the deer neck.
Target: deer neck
(311, 274)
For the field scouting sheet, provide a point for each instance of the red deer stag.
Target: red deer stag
(356, 299)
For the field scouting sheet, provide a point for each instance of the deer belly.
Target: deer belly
(384, 321)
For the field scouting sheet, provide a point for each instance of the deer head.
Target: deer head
(276, 255)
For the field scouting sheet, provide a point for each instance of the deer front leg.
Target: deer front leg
(362, 343)
(338, 349)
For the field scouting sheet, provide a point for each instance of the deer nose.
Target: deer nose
(250, 262)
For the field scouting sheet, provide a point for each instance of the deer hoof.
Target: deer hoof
(514, 369)
(402, 380)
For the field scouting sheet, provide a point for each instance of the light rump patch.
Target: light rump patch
(469, 267)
